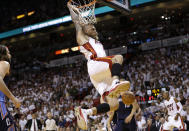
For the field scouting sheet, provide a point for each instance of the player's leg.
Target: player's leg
(179, 124)
(6, 120)
(117, 59)
(117, 62)
(101, 71)
(116, 69)
(81, 114)
(168, 124)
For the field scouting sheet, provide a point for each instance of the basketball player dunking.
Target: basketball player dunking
(173, 108)
(104, 71)
(6, 120)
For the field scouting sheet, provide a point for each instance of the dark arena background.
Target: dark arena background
(49, 74)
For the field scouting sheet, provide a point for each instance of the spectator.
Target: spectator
(50, 123)
(22, 123)
(34, 124)
(151, 126)
(141, 123)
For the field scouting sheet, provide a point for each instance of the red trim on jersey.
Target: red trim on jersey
(177, 107)
(81, 114)
(88, 47)
(107, 59)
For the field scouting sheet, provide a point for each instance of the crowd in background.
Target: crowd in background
(60, 89)
(130, 32)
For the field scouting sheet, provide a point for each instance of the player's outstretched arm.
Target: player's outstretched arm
(133, 111)
(110, 117)
(4, 69)
(74, 12)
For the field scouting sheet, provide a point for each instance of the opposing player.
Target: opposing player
(173, 108)
(104, 71)
(124, 117)
(6, 120)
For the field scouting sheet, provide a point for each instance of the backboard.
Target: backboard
(120, 5)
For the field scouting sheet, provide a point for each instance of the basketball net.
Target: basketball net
(86, 10)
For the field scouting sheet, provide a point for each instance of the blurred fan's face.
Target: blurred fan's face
(90, 30)
(34, 116)
(49, 115)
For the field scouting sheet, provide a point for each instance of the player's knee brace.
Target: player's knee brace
(103, 108)
(116, 69)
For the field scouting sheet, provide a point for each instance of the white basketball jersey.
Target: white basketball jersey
(92, 49)
(171, 106)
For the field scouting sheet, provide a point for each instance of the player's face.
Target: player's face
(165, 95)
(90, 30)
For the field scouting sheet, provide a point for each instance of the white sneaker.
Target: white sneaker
(118, 88)
(81, 118)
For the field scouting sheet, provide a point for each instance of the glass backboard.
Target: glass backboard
(123, 5)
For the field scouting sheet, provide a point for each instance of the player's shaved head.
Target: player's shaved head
(90, 30)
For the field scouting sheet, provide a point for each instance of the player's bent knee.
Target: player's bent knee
(117, 59)
(114, 103)
(114, 107)
(120, 59)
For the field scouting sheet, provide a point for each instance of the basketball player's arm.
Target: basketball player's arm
(133, 111)
(179, 108)
(138, 111)
(110, 117)
(4, 70)
(80, 36)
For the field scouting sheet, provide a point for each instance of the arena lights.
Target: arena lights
(75, 48)
(20, 16)
(31, 13)
(64, 51)
(100, 10)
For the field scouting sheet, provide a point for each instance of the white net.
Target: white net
(86, 10)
